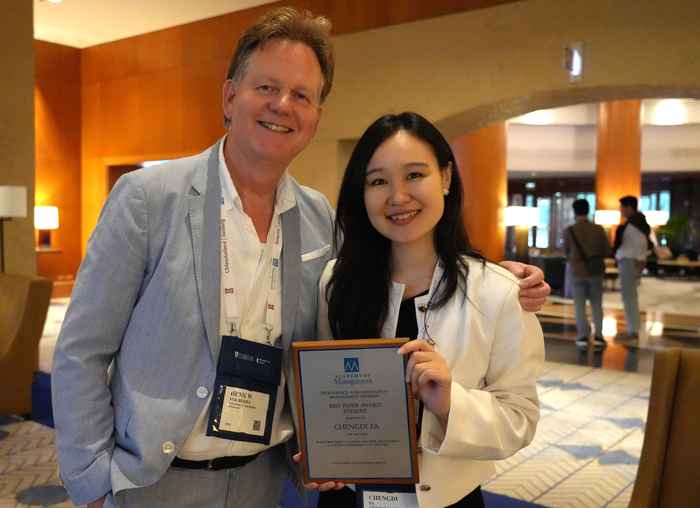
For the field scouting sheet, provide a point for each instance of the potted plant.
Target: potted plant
(676, 232)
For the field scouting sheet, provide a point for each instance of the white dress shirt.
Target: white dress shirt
(248, 263)
(634, 244)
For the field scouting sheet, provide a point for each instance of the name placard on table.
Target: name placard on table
(357, 415)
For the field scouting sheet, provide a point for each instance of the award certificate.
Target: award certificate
(357, 415)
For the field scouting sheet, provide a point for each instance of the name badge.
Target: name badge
(247, 378)
(386, 496)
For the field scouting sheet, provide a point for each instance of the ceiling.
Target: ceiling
(83, 23)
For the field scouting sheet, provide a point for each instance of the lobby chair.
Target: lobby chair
(669, 467)
(24, 302)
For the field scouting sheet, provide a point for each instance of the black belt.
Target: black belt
(214, 464)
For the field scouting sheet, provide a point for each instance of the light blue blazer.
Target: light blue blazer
(147, 301)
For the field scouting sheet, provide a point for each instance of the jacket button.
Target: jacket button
(168, 447)
(202, 392)
(423, 308)
(424, 488)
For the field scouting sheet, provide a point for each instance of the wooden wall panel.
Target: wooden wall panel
(57, 120)
(159, 94)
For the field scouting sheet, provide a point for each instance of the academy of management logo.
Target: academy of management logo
(351, 374)
(351, 364)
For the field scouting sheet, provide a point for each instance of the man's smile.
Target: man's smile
(275, 127)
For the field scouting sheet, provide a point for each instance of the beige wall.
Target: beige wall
(17, 129)
(467, 70)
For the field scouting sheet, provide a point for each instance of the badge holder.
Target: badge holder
(245, 391)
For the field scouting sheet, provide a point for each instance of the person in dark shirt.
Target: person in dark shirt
(586, 247)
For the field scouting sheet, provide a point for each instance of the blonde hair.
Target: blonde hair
(290, 24)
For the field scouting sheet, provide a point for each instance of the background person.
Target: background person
(406, 269)
(630, 250)
(586, 246)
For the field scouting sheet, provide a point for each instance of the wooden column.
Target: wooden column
(481, 157)
(618, 168)
(17, 130)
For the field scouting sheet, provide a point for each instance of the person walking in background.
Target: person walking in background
(630, 250)
(586, 247)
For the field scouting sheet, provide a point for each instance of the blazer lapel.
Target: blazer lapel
(291, 273)
(204, 204)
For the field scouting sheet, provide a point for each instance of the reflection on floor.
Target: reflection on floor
(660, 330)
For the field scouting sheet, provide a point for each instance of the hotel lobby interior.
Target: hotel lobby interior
(543, 102)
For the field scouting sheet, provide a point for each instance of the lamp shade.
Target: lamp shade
(45, 217)
(656, 217)
(607, 217)
(522, 216)
(13, 201)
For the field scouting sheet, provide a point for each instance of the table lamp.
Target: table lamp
(522, 218)
(45, 220)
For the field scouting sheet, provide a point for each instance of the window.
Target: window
(659, 200)
(542, 234)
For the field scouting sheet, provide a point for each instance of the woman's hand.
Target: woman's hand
(321, 487)
(430, 377)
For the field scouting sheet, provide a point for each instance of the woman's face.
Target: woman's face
(404, 189)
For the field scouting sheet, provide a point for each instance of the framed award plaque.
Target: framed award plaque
(356, 411)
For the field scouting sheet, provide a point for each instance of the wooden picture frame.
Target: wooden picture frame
(362, 412)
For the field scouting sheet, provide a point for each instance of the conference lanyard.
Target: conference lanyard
(265, 290)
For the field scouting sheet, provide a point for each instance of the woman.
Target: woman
(406, 269)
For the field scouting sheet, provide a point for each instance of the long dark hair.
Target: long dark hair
(358, 292)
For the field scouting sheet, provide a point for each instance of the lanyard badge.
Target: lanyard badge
(247, 378)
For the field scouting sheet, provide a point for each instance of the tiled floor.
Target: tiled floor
(27, 459)
(593, 404)
(588, 441)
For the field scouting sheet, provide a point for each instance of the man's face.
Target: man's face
(626, 211)
(274, 108)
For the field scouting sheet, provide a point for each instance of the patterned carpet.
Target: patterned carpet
(588, 442)
(585, 452)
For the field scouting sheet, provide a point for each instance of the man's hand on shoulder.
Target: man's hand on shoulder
(533, 288)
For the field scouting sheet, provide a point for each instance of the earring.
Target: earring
(445, 191)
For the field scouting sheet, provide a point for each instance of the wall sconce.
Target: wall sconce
(45, 220)
(13, 204)
(523, 218)
(573, 61)
(607, 218)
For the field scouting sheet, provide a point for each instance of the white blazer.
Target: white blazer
(495, 351)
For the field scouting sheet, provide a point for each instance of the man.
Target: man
(219, 252)
(631, 246)
(586, 247)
